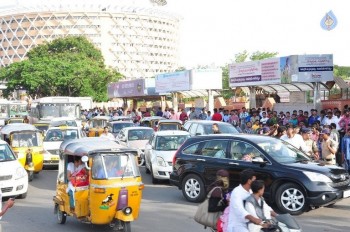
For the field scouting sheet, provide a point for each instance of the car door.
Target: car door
(211, 157)
(244, 155)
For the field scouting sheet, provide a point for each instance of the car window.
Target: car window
(192, 150)
(200, 130)
(215, 148)
(244, 151)
(187, 125)
(139, 134)
(6, 154)
(193, 129)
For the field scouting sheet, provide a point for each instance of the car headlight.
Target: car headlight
(317, 177)
(20, 173)
(161, 162)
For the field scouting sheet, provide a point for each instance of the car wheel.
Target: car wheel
(154, 180)
(61, 216)
(290, 198)
(193, 188)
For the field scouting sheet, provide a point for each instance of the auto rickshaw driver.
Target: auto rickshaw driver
(113, 169)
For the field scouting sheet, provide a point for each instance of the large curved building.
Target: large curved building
(138, 39)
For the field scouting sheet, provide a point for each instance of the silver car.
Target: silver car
(160, 151)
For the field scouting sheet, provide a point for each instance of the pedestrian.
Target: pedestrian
(295, 139)
(311, 144)
(329, 147)
(242, 117)
(107, 135)
(345, 150)
(216, 116)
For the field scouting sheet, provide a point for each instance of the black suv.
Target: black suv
(294, 183)
(204, 127)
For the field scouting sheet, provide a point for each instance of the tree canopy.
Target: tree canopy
(69, 66)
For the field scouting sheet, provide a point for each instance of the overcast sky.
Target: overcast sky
(212, 31)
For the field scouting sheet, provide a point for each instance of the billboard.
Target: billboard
(202, 79)
(133, 88)
(172, 82)
(282, 70)
(315, 68)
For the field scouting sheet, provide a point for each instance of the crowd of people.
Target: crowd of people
(323, 135)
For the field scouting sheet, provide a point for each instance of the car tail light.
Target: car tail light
(175, 157)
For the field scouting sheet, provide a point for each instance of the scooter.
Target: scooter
(282, 223)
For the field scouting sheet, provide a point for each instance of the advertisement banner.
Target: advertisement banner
(315, 68)
(282, 70)
(245, 74)
(206, 79)
(172, 82)
(133, 88)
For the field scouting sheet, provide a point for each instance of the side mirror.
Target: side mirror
(198, 134)
(85, 160)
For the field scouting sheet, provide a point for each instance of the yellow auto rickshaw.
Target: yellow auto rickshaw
(150, 121)
(14, 120)
(97, 124)
(108, 192)
(27, 143)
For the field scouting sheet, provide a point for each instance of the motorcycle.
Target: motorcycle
(282, 223)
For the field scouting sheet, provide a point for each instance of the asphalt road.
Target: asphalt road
(163, 209)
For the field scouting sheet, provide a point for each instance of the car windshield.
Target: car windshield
(42, 127)
(140, 134)
(107, 166)
(64, 123)
(6, 154)
(26, 139)
(60, 135)
(224, 128)
(282, 151)
(118, 126)
(170, 143)
(98, 123)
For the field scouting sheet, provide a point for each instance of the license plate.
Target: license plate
(346, 193)
(54, 158)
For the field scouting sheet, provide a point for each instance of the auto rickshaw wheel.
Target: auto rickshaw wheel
(126, 226)
(61, 216)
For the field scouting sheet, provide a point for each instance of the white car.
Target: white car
(53, 139)
(13, 177)
(160, 151)
(135, 137)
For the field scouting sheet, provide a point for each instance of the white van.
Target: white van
(13, 177)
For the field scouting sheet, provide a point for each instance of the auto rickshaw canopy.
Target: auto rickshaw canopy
(89, 145)
(18, 127)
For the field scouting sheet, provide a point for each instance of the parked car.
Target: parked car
(160, 151)
(13, 176)
(116, 126)
(203, 127)
(294, 182)
(53, 139)
(137, 138)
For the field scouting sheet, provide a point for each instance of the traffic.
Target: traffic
(100, 154)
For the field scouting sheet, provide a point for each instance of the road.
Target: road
(163, 209)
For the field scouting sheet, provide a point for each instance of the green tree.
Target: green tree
(262, 55)
(69, 66)
(342, 71)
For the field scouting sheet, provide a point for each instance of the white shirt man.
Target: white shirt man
(107, 135)
(237, 212)
(295, 139)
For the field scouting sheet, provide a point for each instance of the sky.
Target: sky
(213, 31)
